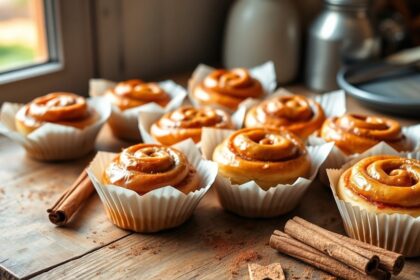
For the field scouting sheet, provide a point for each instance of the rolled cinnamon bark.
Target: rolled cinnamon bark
(366, 265)
(388, 260)
(284, 243)
(71, 200)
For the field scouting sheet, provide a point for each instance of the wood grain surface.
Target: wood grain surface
(213, 244)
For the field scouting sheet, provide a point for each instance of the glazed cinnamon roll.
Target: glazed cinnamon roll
(267, 156)
(146, 167)
(354, 133)
(298, 114)
(134, 93)
(187, 122)
(59, 108)
(227, 88)
(383, 184)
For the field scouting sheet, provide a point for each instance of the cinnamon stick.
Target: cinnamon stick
(388, 260)
(286, 244)
(71, 200)
(364, 264)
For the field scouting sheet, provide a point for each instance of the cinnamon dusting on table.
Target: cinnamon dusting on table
(242, 258)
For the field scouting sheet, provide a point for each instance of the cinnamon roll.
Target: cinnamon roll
(354, 133)
(267, 156)
(146, 167)
(59, 108)
(187, 122)
(383, 184)
(298, 114)
(134, 93)
(227, 88)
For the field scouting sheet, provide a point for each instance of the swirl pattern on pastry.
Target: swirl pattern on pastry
(146, 167)
(59, 107)
(187, 122)
(134, 93)
(267, 156)
(384, 183)
(354, 133)
(298, 114)
(228, 88)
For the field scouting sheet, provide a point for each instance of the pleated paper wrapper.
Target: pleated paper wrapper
(249, 199)
(149, 117)
(124, 124)
(52, 141)
(337, 158)
(396, 232)
(159, 209)
(265, 73)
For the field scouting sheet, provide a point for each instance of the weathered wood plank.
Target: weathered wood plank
(214, 244)
(29, 243)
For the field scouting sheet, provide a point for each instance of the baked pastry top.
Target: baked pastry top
(227, 88)
(133, 93)
(187, 122)
(383, 184)
(59, 108)
(267, 156)
(354, 133)
(146, 167)
(299, 114)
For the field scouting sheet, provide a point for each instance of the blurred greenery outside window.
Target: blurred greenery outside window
(23, 39)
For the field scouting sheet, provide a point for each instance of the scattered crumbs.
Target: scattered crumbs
(138, 250)
(243, 257)
(102, 243)
(93, 232)
(307, 273)
(94, 241)
(2, 192)
(98, 273)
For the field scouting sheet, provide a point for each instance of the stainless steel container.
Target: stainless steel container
(342, 34)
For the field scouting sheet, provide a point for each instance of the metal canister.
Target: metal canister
(342, 34)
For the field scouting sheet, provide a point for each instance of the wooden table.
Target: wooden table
(213, 244)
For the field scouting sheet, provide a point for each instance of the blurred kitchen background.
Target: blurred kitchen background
(49, 45)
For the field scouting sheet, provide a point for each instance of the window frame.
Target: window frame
(55, 60)
(69, 32)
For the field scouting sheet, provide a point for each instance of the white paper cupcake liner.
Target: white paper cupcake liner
(159, 209)
(124, 124)
(396, 232)
(337, 158)
(249, 199)
(265, 73)
(53, 141)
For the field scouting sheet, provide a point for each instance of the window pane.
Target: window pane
(23, 39)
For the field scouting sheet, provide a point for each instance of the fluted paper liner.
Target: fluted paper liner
(265, 73)
(337, 158)
(396, 232)
(159, 209)
(54, 141)
(249, 199)
(148, 118)
(124, 123)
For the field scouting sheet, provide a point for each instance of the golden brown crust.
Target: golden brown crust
(59, 108)
(187, 122)
(383, 184)
(267, 156)
(227, 88)
(134, 93)
(146, 167)
(354, 133)
(299, 114)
